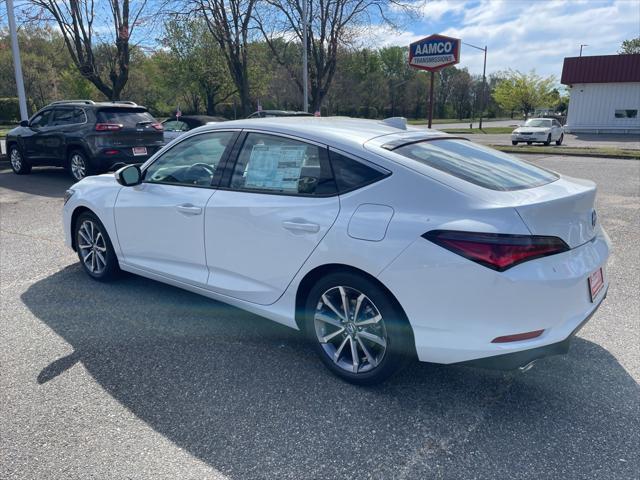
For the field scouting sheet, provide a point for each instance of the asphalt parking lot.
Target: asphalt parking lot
(139, 380)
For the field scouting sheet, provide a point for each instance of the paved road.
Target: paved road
(136, 379)
(570, 140)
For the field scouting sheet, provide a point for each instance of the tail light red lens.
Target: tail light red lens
(157, 126)
(497, 251)
(108, 127)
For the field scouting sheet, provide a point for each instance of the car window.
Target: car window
(63, 116)
(351, 174)
(191, 162)
(537, 122)
(175, 126)
(79, 116)
(127, 117)
(477, 164)
(41, 120)
(275, 164)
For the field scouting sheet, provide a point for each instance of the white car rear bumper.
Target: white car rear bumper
(457, 307)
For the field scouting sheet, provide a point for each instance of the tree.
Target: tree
(198, 63)
(630, 46)
(518, 91)
(332, 25)
(229, 22)
(105, 63)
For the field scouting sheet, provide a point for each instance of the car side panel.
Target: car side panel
(98, 194)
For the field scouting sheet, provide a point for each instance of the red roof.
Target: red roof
(601, 69)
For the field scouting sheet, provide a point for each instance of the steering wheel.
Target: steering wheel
(207, 168)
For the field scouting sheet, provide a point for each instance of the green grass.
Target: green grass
(609, 152)
(474, 131)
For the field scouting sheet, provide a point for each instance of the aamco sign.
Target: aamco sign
(434, 52)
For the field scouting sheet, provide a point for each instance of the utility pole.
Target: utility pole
(305, 67)
(430, 115)
(484, 79)
(17, 64)
(582, 45)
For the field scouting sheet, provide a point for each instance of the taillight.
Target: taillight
(494, 250)
(157, 126)
(108, 127)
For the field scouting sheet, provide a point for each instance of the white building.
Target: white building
(604, 93)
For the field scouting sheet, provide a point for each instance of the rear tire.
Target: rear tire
(19, 164)
(78, 165)
(529, 143)
(559, 141)
(375, 328)
(94, 247)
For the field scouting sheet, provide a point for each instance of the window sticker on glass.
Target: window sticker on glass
(276, 167)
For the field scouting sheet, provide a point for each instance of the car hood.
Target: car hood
(532, 129)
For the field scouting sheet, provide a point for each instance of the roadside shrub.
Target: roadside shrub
(225, 110)
(9, 110)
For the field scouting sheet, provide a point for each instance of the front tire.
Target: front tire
(358, 331)
(78, 165)
(548, 142)
(19, 164)
(559, 141)
(95, 251)
(514, 143)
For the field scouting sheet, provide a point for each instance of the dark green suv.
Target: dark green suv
(85, 137)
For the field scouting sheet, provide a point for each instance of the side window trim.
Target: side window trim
(219, 168)
(233, 159)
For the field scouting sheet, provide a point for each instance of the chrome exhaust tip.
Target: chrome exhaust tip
(527, 367)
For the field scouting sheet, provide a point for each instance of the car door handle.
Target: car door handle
(296, 226)
(188, 209)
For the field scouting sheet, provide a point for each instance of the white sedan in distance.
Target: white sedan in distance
(382, 243)
(538, 130)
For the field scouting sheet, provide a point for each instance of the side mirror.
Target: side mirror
(24, 123)
(129, 176)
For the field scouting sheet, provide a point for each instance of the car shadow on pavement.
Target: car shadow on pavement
(42, 181)
(249, 397)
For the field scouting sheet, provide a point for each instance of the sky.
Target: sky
(522, 34)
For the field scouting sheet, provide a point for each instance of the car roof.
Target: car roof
(92, 104)
(335, 131)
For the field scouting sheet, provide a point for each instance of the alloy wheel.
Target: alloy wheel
(78, 167)
(16, 159)
(350, 329)
(92, 246)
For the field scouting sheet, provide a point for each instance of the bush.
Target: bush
(225, 110)
(9, 110)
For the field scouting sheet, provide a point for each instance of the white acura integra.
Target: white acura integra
(381, 242)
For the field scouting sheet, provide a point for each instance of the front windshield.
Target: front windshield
(537, 122)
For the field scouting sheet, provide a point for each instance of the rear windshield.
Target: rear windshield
(477, 164)
(127, 117)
